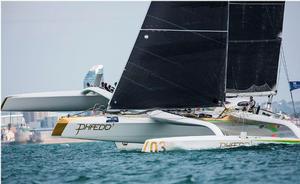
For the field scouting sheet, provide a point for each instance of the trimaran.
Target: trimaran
(188, 55)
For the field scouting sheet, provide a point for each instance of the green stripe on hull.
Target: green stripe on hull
(271, 127)
(219, 121)
(281, 141)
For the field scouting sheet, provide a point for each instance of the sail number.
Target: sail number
(154, 146)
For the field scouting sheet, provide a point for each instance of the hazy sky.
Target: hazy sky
(50, 46)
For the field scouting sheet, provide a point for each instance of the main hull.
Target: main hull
(130, 132)
(133, 129)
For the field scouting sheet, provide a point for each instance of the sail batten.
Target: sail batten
(188, 30)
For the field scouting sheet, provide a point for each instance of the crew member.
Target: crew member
(251, 104)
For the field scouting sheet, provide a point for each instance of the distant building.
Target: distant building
(34, 124)
(13, 119)
(40, 119)
(34, 116)
(94, 77)
(29, 116)
(49, 122)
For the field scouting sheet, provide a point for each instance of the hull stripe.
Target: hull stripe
(59, 127)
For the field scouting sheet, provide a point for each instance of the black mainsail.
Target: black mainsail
(178, 59)
(189, 54)
(254, 47)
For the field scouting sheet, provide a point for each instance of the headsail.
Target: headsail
(178, 59)
(254, 47)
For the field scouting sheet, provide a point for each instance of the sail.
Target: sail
(179, 58)
(254, 47)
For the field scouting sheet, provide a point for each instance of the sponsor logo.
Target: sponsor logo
(110, 120)
(94, 126)
(233, 144)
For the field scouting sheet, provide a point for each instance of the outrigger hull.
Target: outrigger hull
(201, 143)
(210, 142)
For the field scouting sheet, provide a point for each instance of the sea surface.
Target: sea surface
(101, 162)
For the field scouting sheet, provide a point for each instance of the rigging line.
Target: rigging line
(279, 71)
(284, 64)
(163, 58)
(270, 19)
(287, 76)
(152, 73)
(187, 10)
(138, 84)
(199, 34)
(170, 82)
(160, 57)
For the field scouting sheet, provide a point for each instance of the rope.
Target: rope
(287, 77)
(284, 64)
(94, 108)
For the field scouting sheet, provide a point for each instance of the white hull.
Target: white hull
(123, 146)
(57, 101)
(210, 142)
(255, 125)
(201, 143)
(177, 132)
(135, 129)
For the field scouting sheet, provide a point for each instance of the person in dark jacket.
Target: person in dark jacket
(251, 104)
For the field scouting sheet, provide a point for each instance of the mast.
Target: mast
(227, 44)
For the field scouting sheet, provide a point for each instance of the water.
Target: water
(101, 162)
